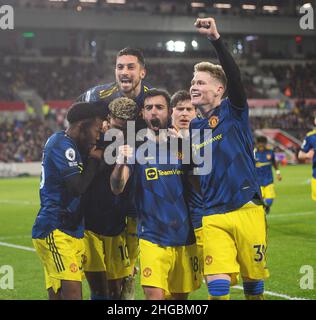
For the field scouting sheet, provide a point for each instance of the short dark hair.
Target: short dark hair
(262, 139)
(154, 92)
(132, 52)
(86, 111)
(179, 96)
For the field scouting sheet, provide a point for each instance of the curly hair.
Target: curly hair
(123, 108)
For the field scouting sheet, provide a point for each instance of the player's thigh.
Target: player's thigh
(71, 290)
(251, 238)
(116, 257)
(62, 257)
(94, 253)
(219, 246)
(132, 239)
(199, 248)
(155, 264)
(185, 276)
(97, 283)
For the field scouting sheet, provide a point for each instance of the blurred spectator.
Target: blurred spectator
(23, 141)
(55, 81)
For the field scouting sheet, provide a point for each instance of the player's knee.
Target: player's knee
(152, 293)
(218, 289)
(253, 289)
(71, 290)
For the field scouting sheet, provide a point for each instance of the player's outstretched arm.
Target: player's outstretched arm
(235, 88)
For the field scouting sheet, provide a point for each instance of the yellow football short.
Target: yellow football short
(199, 247)
(62, 257)
(106, 254)
(268, 191)
(174, 269)
(313, 189)
(132, 240)
(236, 242)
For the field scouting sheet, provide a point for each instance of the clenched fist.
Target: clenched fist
(207, 26)
(124, 153)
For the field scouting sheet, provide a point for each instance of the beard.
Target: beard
(156, 124)
(133, 86)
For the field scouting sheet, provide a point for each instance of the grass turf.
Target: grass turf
(292, 238)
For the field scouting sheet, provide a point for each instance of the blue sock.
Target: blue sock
(219, 287)
(253, 288)
(96, 297)
(268, 202)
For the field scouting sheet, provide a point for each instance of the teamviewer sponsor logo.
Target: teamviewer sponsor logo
(151, 174)
(6, 17)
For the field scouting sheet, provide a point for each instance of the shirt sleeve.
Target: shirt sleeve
(306, 145)
(66, 158)
(235, 89)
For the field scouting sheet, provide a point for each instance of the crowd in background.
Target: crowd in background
(58, 81)
(23, 141)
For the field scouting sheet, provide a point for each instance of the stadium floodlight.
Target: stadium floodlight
(194, 44)
(249, 7)
(88, 1)
(170, 45)
(222, 5)
(175, 46)
(307, 5)
(197, 5)
(116, 1)
(270, 8)
(179, 46)
(251, 38)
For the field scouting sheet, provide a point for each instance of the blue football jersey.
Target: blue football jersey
(264, 161)
(309, 143)
(104, 212)
(196, 206)
(232, 181)
(110, 91)
(61, 159)
(159, 191)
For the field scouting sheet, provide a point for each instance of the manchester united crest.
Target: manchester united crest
(213, 121)
(147, 272)
(208, 260)
(73, 267)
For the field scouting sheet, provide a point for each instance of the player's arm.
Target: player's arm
(235, 88)
(121, 171)
(77, 184)
(306, 151)
(305, 155)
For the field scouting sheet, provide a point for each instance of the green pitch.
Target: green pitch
(292, 239)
